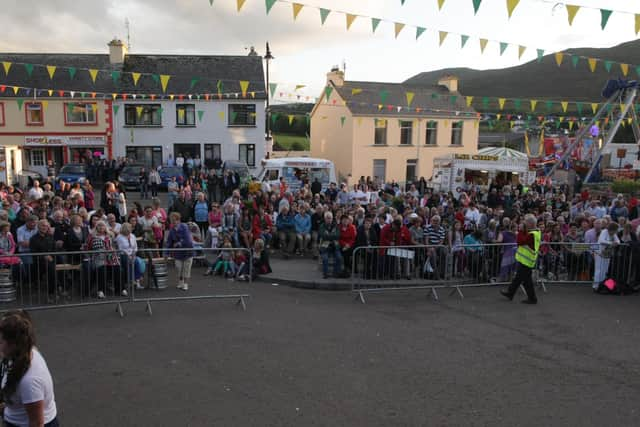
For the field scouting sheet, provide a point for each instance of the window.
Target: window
(80, 114)
(381, 132)
(35, 116)
(142, 115)
(406, 132)
(432, 133)
(150, 156)
(1, 114)
(185, 115)
(212, 152)
(242, 114)
(247, 154)
(380, 169)
(36, 157)
(456, 133)
(272, 174)
(412, 166)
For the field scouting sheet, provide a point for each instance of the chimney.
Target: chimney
(450, 82)
(336, 76)
(117, 52)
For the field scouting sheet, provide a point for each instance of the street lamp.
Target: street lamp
(268, 57)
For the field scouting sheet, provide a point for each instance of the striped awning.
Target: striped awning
(503, 153)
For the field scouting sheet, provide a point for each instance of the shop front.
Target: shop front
(42, 151)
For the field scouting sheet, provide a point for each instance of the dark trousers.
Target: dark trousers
(52, 423)
(154, 190)
(523, 277)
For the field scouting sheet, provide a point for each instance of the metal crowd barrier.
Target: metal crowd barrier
(41, 281)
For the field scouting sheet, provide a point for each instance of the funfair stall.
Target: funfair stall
(492, 164)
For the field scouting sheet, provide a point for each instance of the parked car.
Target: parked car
(130, 176)
(238, 167)
(26, 177)
(167, 172)
(72, 173)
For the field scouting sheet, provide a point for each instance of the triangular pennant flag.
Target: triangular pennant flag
(604, 17)
(323, 15)
(7, 67)
(298, 87)
(442, 35)
(221, 115)
(291, 117)
(180, 115)
(592, 64)
(50, 92)
(564, 104)
(164, 81)
(607, 66)
(200, 114)
(483, 44)
(398, 27)
(594, 107)
(383, 96)
(453, 99)
(72, 72)
(579, 107)
(517, 103)
(501, 102)
(356, 91)
(637, 19)
(571, 12)
(194, 82)
(521, 50)
(272, 88)
(94, 107)
(297, 7)
(244, 85)
(269, 4)
(419, 31)
(20, 102)
(503, 47)
(476, 6)
(485, 101)
(469, 100)
(549, 105)
(440, 4)
(350, 19)
(140, 110)
(239, 4)
(540, 53)
(463, 40)
(156, 78)
(409, 96)
(327, 92)
(51, 69)
(94, 74)
(559, 57)
(211, 2)
(16, 89)
(115, 76)
(45, 105)
(511, 5)
(29, 68)
(533, 103)
(498, 116)
(135, 77)
(625, 69)
(574, 60)
(374, 24)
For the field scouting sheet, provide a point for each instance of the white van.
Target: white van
(295, 170)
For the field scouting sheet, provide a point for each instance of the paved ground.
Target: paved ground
(301, 357)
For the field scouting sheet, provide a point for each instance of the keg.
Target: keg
(161, 274)
(7, 287)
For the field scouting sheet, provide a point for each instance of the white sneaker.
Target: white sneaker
(100, 295)
(185, 287)
(125, 293)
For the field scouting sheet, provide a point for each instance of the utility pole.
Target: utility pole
(268, 57)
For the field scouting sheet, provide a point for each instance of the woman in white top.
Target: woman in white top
(127, 243)
(27, 386)
(607, 240)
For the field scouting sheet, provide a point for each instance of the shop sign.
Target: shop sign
(476, 157)
(64, 140)
(619, 173)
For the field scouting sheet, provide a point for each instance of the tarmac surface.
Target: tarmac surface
(300, 357)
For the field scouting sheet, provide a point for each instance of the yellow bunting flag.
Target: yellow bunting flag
(298, 87)
(140, 110)
(291, 119)
(440, 4)
(244, 85)
(50, 91)
(594, 107)
(350, 19)
(114, 96)
(559, 57)
(637, 23)
(356, 91)
(94, 74)
(135, 77)
(253, 94)
(221, 115)
(469, 100)
(379, 107)
(398, 27)
(45, 105)
(171, 97)
(483, 44)
(410, 96)
(565, 105)
(164, 81)
(625, 69)
(571, 124)
(443, 35)
(94, 107)
(571, 12)
(533, 104)
(297, 7)
(51, 69)
(240, 3)
(180, 115)
(521, 50)
(501, 102)
(592, 64)
(511, 5)
(6, 66)
(15, 90)
(621, 107)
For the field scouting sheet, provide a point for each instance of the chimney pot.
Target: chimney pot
(117, 51)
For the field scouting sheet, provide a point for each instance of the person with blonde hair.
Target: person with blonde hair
(106, 263)
(179, 237)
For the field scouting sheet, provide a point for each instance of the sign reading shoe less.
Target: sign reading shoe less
(64, 140)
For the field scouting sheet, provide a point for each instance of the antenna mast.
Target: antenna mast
(127, 25)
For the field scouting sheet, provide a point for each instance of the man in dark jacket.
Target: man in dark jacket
(182, 207)
(367, 256)
(213, 184)
(43, 242)
(316, 186)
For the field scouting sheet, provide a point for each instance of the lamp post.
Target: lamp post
(268, 57)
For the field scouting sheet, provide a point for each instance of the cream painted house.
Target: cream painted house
(377, 130)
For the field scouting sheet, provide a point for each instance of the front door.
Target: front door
(187, 150)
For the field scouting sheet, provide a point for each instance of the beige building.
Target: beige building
(377, 130)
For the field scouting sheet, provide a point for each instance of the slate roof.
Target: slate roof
(432, 98)
(182, 68)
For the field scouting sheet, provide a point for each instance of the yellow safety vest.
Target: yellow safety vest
(526, 256)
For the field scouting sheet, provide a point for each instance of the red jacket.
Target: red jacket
(388, 237)
(256, 226)
(347, 236)
(526, 238)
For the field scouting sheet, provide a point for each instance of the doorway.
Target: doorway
(187, 150)
(149, 156)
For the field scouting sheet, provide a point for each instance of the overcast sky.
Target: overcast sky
(304, 49)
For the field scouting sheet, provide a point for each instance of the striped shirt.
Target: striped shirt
(434, 235)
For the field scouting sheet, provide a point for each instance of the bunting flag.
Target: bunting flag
(579, 107)
(409, 96)
(45, 105)
(442, 35)
(16, 89)
(221, 115)
(374, 24)
(469, 100)
(540, 53)
(135, 77)
(572, 10)
(503, 47)
(140, 110)
(501, 102)
(383, 96)
(298, 87)
(240, 3)
(533, 104)
(115, 110)
(637, 19)
(297, 7)
(592, 64)
(244, 85)
(269, 5)
(50, 92)
(483, 44)
(419, 31)
(272, 88)
(463, 40)
(604, 17)
(51, 69)
(324, 13)
(564, 105)
(29, 69)
(327, 92)
(164, 78)
(115, 76)
(594, 107)
(94, 107)
(94, 74)
(7, 67)
(440, 4)
(291, 118)
(607, 66)
(350, 19)
(193, 83)
(521, 50)
(200, 115)
(511, 5)
(20, 102)
(398, 27)
(559, 57)
(356, 91)
(72, 72)
(574, 60)
(625, 69)
(476, 6)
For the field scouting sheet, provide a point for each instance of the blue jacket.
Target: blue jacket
(285, 223)
(303, 224)
(201, 212)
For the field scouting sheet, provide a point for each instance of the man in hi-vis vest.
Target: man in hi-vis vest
(526, 256)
